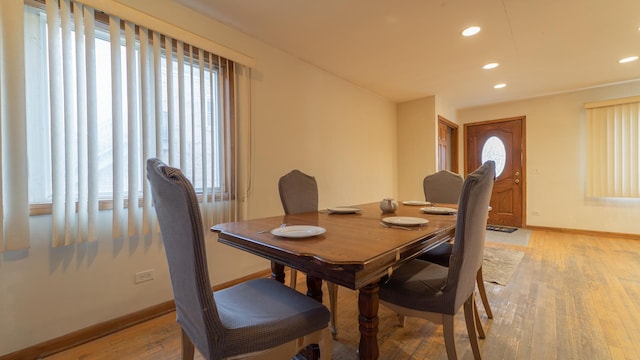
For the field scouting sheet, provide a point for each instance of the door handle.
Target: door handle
(517, 181)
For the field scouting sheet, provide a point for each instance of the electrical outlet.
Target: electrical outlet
(143, 276)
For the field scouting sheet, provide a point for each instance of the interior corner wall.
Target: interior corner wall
(446, 110)
(417, 145)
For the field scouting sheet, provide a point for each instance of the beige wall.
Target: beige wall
(303, 118)
(417, 150)
(555, 130)
(307, 119)
(417, 142)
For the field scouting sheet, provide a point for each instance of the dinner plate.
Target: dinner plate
(416, 203)
(438, 210)
(405, 221)
(343, 210)
(298, 231)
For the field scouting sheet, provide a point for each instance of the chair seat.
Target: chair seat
(418, 285)
(439, 255)
(283, 315)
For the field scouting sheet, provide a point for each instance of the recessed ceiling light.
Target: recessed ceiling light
(628, 59)
(499, 86)
(491, 66)
(470, 31)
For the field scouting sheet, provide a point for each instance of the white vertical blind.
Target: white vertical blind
(70, 132)
(56, 105)
(613, 154)
(81, 111)
(117, 128)
(182, 121)
(157, 75)
(243, 147)
(132, 131)
(148, 133)
(192, 118)
(203, 134)
(116, 96)
(141, 18)
(92, 124)
(173, 149)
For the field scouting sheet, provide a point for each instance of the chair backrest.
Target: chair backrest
(468, 246)
(182, 231)
(442, 187)
(298, 192)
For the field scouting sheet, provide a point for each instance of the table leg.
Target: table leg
(277, 271)
(368, 320)
(314, 288)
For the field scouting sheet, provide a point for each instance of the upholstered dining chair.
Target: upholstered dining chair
(444, 187)
(254, 319)
(436, 293)
(299, 194)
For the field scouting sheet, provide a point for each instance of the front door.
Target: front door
(503, 142)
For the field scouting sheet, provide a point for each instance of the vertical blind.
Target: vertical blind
(163, 98)
(613, 154)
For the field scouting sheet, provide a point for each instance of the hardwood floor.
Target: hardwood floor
(571, 297)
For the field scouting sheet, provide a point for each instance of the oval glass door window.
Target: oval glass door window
(493, 149)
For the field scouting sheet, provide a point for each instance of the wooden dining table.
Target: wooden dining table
(357, 251)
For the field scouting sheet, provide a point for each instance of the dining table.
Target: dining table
(355, 246)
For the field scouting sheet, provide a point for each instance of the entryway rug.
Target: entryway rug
(519, 237)
(504, 229)
(499, 264)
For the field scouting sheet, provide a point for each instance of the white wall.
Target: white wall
(303, 118)
(555, 151)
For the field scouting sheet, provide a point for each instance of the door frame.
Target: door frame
(452, 146)
(523, 156)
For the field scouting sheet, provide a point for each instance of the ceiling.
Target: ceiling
(410, 49)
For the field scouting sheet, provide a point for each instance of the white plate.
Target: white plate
(343, 210)
(405, 221)
(438, 210)
(298, 231)
(416, 203)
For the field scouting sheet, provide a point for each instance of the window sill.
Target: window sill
(36, 209)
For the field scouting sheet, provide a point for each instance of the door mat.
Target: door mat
(504, 229)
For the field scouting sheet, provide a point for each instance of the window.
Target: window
(613, 154)
(103, 95)
(493, 149)
(195, 100)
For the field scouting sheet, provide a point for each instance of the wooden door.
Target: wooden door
(447, 145)
(507, 199)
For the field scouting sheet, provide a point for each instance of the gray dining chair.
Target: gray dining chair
(299, 194)
(254, 319)
(444, 187)
(436, 293)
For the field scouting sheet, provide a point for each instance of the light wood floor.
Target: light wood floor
(571, 297)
